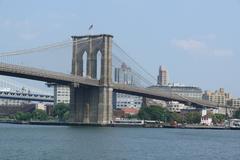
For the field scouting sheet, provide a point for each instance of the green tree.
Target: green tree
(192, 117)
(153, 113)
(237, 114)
(59, 110)
(174, 117)
(66, 115)
(39, 114)
(21, 116)
(218, 118)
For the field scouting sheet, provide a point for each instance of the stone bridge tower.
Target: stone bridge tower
(91, 104)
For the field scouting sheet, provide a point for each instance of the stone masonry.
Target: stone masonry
(90, 104)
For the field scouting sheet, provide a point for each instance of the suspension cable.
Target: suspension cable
(43, 48)
(133, 71)
(134, 60)
(136, 76)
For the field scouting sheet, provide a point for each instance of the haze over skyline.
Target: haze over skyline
(197, 41)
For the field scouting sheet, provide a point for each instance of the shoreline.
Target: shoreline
(55, 123)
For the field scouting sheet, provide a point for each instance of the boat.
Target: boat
(234, 124)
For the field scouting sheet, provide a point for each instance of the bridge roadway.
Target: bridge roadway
(44, 75)
(151, 93)
(67, 79)
(26, 96)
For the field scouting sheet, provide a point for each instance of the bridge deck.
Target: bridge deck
(68, 79)
(150, 93)
(44, 75)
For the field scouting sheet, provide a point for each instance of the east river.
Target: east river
(29, 142)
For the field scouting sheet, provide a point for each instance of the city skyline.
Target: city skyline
(199, 48)
(119, 79)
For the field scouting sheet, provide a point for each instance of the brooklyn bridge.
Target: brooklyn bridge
(90, 78)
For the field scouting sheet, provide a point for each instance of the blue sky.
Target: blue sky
(197, 41)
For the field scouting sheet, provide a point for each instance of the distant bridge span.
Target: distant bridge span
(26, 96)
(68, 79)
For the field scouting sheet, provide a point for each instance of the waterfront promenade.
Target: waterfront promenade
(133, 125)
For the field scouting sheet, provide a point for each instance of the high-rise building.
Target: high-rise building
(163, 76)
(61, 94)
(218, 96)
(124, 75)
(234, 102)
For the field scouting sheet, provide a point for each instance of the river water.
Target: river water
(29, 142)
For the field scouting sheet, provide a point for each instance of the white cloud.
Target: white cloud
(189, 44)
(200, 47)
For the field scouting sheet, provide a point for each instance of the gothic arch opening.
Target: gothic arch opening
(99, 65)
(84, 59)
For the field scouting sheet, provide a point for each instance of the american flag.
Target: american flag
(90, 27)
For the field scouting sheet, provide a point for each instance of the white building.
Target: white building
(61, 94)
(205, 119)
(174, 106)
(121, 100)
(41, 106)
